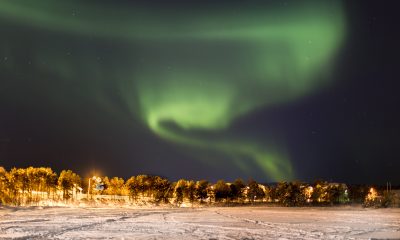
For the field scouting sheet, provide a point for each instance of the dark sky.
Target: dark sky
(274, 90)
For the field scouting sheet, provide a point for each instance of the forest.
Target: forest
(39, 185)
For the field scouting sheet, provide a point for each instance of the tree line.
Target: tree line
(33, 185)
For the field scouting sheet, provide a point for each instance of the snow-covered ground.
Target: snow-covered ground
(199, 223)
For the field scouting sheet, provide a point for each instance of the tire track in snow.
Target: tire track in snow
(285, 230)
(210, 231)
(198, 230)
(57, 234)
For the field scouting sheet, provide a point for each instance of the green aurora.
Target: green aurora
(192, 74)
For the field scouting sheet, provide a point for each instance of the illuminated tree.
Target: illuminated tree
(51, 182)
(161, 188)
(3, 188)
(38, 178)
(267, 193)
(107, 189)
(254, 191)
(236, 189)
(133, 186)
(179, 191)
(190, 191)
(297, 193)
(201, 191)
(334, 192)
(319, 194)
(280, 193)
(221, 191)
(372, 199)
(115, 186)
(66, 182)
(144, 183)
(18, 183)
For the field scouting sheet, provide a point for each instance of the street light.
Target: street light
(88, 191)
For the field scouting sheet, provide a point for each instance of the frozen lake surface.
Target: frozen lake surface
(199, 223)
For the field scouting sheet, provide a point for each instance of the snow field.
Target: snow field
(199, 223)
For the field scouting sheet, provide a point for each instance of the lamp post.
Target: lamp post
(88, 191)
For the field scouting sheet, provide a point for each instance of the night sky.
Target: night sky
(273, 90)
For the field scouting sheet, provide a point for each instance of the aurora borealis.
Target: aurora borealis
(177, 88)
(257, 75)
